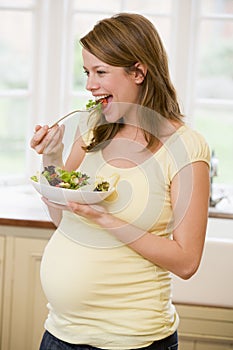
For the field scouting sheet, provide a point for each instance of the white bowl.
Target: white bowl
(84, 195)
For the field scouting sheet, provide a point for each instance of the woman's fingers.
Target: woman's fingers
(54, 205)
(91, 212)
(37, 127)
(39, 135)
(47, 140)
(54, 140)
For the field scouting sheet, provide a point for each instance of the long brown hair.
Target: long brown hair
(123, 40)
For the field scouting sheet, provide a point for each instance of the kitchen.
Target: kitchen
(204, 302)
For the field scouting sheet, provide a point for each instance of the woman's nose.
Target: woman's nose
(92, 83)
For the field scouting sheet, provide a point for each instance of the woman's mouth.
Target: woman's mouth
(103, 99)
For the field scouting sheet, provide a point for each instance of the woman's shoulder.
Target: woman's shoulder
(187, 146)
(192, 138)
(182, 133)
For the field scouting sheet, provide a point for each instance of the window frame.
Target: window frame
(52, 70)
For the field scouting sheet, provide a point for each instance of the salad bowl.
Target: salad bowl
(83, 195)
(61, 186)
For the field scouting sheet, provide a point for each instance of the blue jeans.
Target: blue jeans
(49, 342)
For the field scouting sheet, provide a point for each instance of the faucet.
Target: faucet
(213, 173)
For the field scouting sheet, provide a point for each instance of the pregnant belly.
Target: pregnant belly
(68, 272)
(76, 277)
(89, 287)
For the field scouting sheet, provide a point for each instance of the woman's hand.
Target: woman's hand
(55, 211)
(47, 141)
(92, 212)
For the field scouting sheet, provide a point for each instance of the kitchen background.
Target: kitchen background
(41, 78)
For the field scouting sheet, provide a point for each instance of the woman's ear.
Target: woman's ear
(140, 72)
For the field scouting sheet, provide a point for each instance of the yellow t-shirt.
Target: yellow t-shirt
(100, 291)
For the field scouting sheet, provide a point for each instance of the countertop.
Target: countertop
(22, 206)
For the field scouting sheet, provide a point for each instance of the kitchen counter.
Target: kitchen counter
(22, 206)
(224, 209)
(217, 213)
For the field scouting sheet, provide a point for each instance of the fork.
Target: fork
(73, 112)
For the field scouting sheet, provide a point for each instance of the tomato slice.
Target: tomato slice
(104, 101)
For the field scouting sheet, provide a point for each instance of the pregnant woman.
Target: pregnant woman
(106, 271)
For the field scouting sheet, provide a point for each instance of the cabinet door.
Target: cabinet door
(205, 328)
(196, 344)
(24, 307)
(2, 251)
(212, 346)
(186, 344)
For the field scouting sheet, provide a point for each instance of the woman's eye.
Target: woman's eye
(100, 72)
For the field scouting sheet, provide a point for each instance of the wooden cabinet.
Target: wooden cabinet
(205, 328)
(23, 304)
(2, 257)
(23, 310)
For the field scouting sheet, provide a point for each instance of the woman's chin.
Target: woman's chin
(112, 112)
(112, 117)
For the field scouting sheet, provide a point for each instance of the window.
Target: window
(213, 94)
(15, 71)
(41, 74)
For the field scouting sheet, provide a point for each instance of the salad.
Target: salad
(102, 100)
(72, 180)
(92, 104)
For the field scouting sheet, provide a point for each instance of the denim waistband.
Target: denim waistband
(50, 342)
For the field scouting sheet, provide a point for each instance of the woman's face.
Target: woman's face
(120, 89)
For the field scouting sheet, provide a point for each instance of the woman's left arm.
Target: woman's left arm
(190, 199)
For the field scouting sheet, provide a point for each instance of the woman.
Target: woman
(107, 269)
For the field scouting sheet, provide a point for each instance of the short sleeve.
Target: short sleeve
(187, 147)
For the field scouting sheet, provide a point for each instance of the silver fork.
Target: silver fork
(73, 112)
